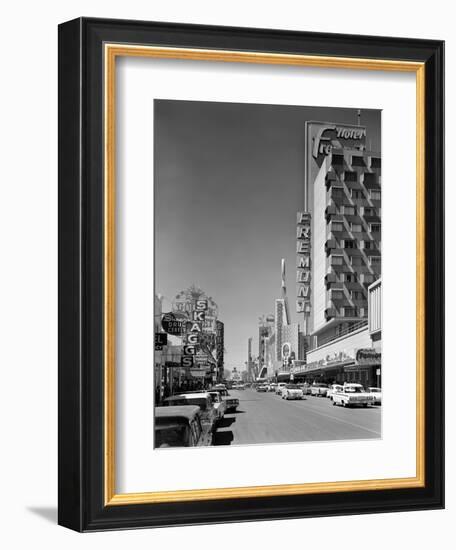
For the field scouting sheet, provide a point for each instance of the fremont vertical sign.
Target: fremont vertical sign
(303, 263)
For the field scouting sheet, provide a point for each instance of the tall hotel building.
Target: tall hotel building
(338, 247)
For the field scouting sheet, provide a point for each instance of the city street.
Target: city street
(266, 418)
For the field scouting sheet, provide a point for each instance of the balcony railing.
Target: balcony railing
(352, 328)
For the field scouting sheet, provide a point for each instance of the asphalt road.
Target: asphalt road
(266, 418)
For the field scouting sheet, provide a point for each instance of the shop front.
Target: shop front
(361, 367)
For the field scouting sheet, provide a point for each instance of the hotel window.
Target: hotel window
(376, 162)
(375, 194)
(349, 243)
(356, 260)
(350, 176)
(350, 277)
(348, 210)
(357, 161)
(375, 260)
(337, 260)
(356, 295)
(337, 295)
(368, 211)
(375, 227)
(338, 159)
(356, 227)
(335, 226)
(337, 192)
(367, 278)
(350, 312)
(356, 194)
(367, 245)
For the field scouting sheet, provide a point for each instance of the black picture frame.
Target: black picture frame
(81, 473)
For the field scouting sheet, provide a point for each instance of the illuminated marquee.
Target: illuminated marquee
(303, 275)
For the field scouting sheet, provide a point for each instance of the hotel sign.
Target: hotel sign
(331, 135)
(303, 273)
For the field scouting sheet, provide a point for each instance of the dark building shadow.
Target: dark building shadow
(48, 513)
(223, 438)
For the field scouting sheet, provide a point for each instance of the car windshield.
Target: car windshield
(171, 437)
(201, 402)
(354, 389)
(215, 397)
(292, 387)
(375, 390)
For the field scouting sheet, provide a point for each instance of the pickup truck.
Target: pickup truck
(352, 395)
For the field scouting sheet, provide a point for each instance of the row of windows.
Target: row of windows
(373, 194)
(355, 278)
(354, 295)
(353, 312)
(349, 210)
(356, 227)
(355, 260)
(350, 243)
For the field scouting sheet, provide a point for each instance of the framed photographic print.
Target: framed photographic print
(251, 307)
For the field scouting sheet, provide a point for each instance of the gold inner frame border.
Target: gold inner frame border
(111, 53)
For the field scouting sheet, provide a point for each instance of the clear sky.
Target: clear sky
(229, 180)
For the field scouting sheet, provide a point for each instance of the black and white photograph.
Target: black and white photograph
(268, 297)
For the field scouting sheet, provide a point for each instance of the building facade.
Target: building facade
(343, 194)
(338, 243)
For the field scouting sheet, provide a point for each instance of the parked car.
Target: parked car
(305, 387)
(319, 390)
(203, 400)
(292, 391)
(272, 387)
(353, 395)
(262, 388)
(218, 403)
(279, 387)
(377, 393)
(232, 403)
(180, 426)
(332, 390)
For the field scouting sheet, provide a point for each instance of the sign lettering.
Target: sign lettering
(303, 271)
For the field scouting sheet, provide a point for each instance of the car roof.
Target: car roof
(175, 412)
(187, 395)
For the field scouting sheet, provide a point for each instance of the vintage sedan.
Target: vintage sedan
(180, 426)
(209, 415)
(305, 387)
(319, 389)
(377, 393)
(333, 388)
(262, 388)
(353, 395)
(279, 387)
(218, 403)
(232, 403)
(292, 391)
